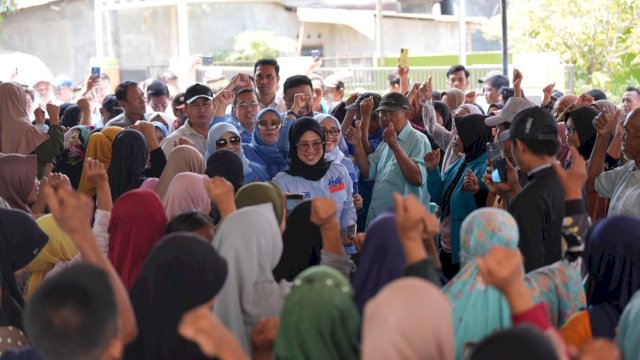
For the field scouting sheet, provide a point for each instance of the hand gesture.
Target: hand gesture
(323, 211)
(517, 78)
(501, 268)
(413, 220)
(584, 100)
(264, 335)
(184, 141)
(390, 137)
(547, 92)
(91, 83)
(470, 97)
(203, 328)
(39, 114)
(426, 90)
(224, 98)
(56, 180)
(72, 211)
(605, 124)
(357, 201)
(84, 105)
(220, 191)
(240, 81)
(470, 183)
(96, 172)
(353, 135)
(54, 114)
(573, 179)
(366, 107)
(352, 99)
(146, 128)
(299, 102)
(403, 72)
(504, 187)
(432, 159)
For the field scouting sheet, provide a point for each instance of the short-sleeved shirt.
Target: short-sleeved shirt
(335, 184)
(622, 185)
(188, 132)
(385, 170)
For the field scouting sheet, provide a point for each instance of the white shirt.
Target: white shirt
(622, 185)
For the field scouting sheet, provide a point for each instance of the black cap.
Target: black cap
(356, 104)
(157, 88)
(197, 90)
(534, 123)
(178, 101)
(393, 102)
(557, 94)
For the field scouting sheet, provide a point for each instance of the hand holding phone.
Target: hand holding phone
(403, 61)
(95, 72)
(496, 158)
(293, 200)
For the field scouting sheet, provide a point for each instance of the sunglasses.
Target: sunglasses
(269, 125)
(306, 146)
(234, 140)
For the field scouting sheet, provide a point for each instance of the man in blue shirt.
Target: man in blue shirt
(397, 165)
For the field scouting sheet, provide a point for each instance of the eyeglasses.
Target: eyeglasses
(234, 140)
(332, 132)
(269, 125)
(245, 105)
(306, 146)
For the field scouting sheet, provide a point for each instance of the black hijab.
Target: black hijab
(443, 109)
(583, 121)
(302, 243)
(130, 153)
(474, 135)
(296, 166)
(71, 116)
(521, 342)
(21, 239)
(228, 165)
(183, 271)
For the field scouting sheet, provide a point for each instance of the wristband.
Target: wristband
(291, 112)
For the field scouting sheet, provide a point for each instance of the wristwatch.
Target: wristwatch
(291, 112)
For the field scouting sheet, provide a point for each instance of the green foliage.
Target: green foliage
(253, 45)
(7, 6)
(599, 37)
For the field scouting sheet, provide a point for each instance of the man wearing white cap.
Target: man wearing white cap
(43, 92)
(333, 91)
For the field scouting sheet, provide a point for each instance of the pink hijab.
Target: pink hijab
(186, 192)
(17, 176)
(17, 135)
(397, 326)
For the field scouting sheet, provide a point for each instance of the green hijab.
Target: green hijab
(320, 319)
(257, 193)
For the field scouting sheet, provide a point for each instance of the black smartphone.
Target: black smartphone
(496, 158)
(293, 200)
(207, 60)
(95, 72)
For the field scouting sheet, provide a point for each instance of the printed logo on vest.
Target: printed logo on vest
(336, 184)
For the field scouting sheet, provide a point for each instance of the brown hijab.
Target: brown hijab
(563, 104)
(17, 135)
(183, 158)
(17, 176)
(455, 98)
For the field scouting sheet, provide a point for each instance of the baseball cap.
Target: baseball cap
(393, 102)
(490, 74)
(513, 106)
(178, 101)
(534, 123)
(62, 81)
(356, 104)
(197, 90)
(557, 94)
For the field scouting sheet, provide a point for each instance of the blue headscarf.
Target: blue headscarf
(161, 127)
(382, 259)
(480, 310)
(268, 156)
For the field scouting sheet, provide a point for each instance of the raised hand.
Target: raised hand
(432, 159)
(366, 107)
(426, 90)
(39, 114)
(299, 102)
(357, 201)
(390, 137)
(501, 268)
(352, 99)
(470, 183)
(96, 172)
(410, 215)
(353, 135)
(403, 72)
(224, 98)
(517, 78)
(72, 211)
(547, 91)
(263, 337)
(584, 100)
(573, 179)
(470, 97)
(605, 124)
(240, 81)
(506, 187)
(220, 191)
(54, 114)
(84, 105)
(323, 212)
(56, 180)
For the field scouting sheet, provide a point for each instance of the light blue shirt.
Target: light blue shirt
(622, 185)
(335, 184)
(385, 170)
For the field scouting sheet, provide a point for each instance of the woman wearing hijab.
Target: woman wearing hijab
(261, 193)
(562, 104)
(137, 222)
(228, 165)
(128, 168)
(183, 271)
(448, 191)
(479, 310)
(71, 116)
(382, 259)
(72, 159)
(522, 342)
(453, 98)
(262, 148)
(224, 136)
(311, 174)
(59, 248)
(336, 146)
(183, 158)
(612, 259)
(20, 241)
(18, 183)
(302, 243)
(397, 326)
(99, 147)
(18, 136)
(185, 193)
(319, 318)
(443, 115)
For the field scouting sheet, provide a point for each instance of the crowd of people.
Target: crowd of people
(249, 222)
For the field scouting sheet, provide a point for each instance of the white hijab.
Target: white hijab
(337, 154)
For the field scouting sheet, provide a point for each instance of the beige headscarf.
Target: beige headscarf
(17, 135)
(607, 106)
(183, 158)
(397, 326)
(472, 109)
(455, 98)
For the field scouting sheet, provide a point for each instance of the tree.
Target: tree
(253, 45)
(599, 37)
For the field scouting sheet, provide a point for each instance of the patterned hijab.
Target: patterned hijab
(72, 159)
(480, 310)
